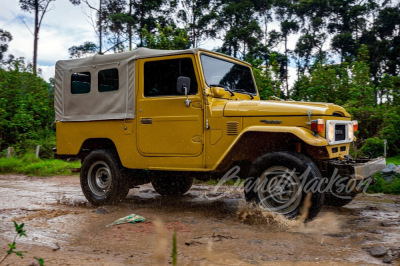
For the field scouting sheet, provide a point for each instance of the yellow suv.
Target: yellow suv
(166, 117)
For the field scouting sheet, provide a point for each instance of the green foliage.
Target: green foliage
(12, 247)
(166, 38)
(85, 49)
(20, 232)
(174, 254)
(267, 77)
(373, 146)
(381, 186)
(5, 38)
(31, 166)
(26, 106)
(394, 160)
(29, 146)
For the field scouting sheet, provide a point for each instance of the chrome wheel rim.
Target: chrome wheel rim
(99, 178)
(279, 190)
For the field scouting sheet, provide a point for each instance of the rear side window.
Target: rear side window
(160, 77)
(80, 82)
(108, 80)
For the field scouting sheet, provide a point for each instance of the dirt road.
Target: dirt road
(213, 228)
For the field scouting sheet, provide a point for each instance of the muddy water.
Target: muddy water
(213, 228)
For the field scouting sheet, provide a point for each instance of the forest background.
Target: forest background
(347, 52)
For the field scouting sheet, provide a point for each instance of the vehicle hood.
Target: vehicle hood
(281, 108)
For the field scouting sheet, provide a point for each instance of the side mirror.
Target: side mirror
(183, 85)
(218, 92)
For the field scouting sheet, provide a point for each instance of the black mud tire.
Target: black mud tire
(335, 201)
(171, 185)
(102, 178)
(275, 162)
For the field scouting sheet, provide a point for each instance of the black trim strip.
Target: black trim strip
(288, 116)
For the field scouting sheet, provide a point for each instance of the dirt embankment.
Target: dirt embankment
(63, 228)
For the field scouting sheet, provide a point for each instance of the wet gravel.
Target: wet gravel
(213, 227)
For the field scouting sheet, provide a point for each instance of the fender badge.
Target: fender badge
(271, 121)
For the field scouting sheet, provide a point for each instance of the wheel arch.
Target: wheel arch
(97, 144)
(269, 139)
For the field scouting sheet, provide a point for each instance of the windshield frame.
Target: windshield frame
(255, 93)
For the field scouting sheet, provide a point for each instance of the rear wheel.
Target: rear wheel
(171, 184)
(102, 178)
(277, 183)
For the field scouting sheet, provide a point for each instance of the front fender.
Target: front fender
(249, 144)
(302, 133)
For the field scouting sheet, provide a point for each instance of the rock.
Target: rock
(390, 168)
(101, 210)
(372, 231)
(387, 259)
(371, 208)
(377, 251)
(397, 171)
(389, 224)
(255, 242)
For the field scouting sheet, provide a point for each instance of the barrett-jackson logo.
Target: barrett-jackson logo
(271, 121)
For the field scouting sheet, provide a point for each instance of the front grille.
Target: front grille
(340, 132)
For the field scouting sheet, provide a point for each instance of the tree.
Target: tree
(166, 38)
(39, 8)
(98, 24)
(5, 38)
(239, 27)
(114, 28)
(85, 49)
(197, 15)
(288, 25)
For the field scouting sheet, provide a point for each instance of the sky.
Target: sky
(65, 25)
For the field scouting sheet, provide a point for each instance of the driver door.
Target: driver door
(166, 125)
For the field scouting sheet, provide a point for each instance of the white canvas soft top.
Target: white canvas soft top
(95, 105)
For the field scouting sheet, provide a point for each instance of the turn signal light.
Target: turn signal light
(317, 126)
(355, 125)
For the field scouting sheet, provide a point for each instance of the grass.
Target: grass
(381, 186)
(394, 160)
(30, 165)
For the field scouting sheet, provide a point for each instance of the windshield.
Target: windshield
(226, 74)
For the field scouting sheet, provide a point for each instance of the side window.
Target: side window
(160, 77)
(80, 83)
(108, 80)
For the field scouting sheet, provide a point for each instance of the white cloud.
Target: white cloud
(47, 72)
(63, 26)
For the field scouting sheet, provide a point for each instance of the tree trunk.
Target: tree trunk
(35, 37)
(130, 26)
(193, 26)
(100, 28)
(287, 72)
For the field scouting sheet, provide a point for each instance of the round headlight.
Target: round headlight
(351, 131)
(331, 132)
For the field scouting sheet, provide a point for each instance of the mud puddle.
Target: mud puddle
(213, 228)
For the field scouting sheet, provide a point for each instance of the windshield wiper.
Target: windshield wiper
(246, 92)
(222, 86)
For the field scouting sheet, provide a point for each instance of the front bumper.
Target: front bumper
(359, 169)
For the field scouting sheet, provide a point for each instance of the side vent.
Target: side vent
(232, 128)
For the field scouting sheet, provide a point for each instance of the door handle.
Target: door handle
(147, 121)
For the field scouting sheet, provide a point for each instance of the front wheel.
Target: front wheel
(102, 179)
(280, 182)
